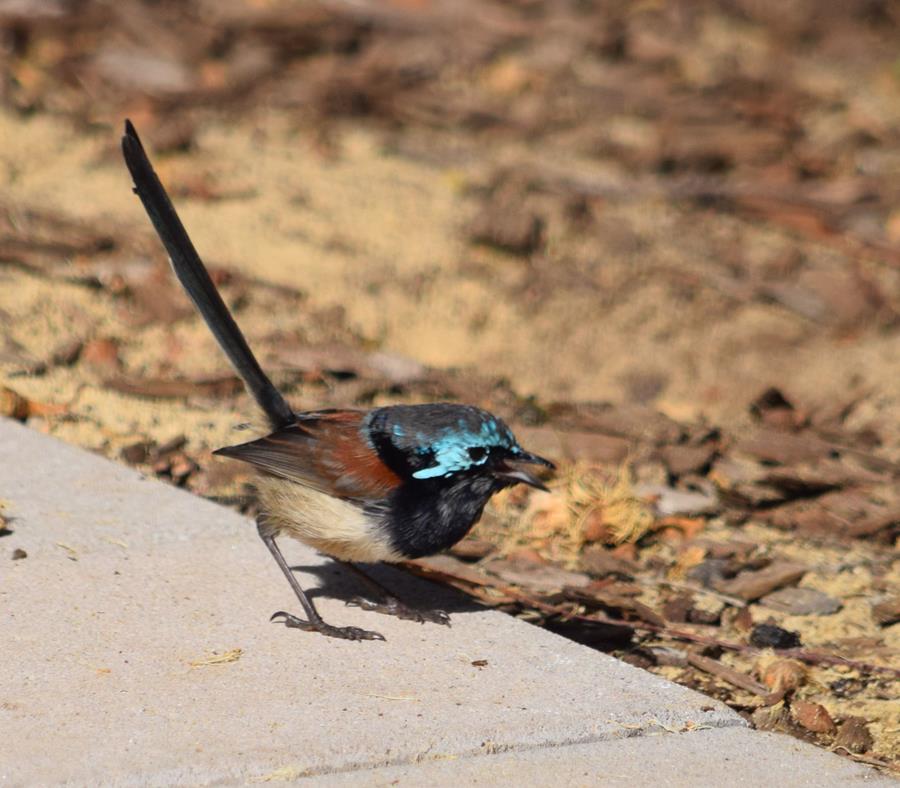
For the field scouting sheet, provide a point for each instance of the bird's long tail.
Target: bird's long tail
(195, 278)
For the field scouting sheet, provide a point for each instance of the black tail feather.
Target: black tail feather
(195, 278)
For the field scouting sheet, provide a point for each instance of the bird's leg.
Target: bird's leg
(391, 605)
(313, 622)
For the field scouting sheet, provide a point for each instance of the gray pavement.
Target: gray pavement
(715, 757)
(137, 650)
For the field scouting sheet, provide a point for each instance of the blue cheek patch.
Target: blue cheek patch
(451, 451)
(449, 459)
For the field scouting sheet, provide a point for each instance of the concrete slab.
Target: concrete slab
(128, 582)
(137, 649)
(722, 756)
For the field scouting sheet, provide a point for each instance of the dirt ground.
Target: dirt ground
(662, 239)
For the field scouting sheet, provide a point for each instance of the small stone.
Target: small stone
(18, 554)
(802, 602)
(854, 736)
(812, 716)
(773, 636)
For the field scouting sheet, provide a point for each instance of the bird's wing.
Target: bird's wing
(325, 450)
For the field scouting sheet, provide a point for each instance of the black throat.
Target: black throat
(423, 517)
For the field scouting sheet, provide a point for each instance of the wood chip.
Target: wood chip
(802, 602)
(785, 448)
(854, 735)
(887, 611)
(597, 561)
(173, 388)
(812, 716)
(750, 586)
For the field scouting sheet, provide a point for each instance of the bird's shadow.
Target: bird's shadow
(338, 582)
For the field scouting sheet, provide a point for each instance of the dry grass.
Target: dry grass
(585, 504)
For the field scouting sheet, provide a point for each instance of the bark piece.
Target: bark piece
(599, 562)
(752, 585)
(853, 735)
(784, 448)
(887, 611)
(812, 716)
(802, 602)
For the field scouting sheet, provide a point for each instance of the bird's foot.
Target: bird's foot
(344, 633)
(391, 606)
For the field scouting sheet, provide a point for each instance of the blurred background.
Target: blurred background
(661, 238)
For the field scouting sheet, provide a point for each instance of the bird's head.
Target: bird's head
(444, 441)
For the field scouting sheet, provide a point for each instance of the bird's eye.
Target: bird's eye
(477, 453)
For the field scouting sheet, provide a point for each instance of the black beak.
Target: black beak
(510, 471)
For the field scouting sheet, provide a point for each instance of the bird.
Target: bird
(382, 485)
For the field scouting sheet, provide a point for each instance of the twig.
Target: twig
(727, 598)
(730, 675)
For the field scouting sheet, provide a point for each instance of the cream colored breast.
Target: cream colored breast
(330, 525)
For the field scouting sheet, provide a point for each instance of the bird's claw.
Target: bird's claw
(343, 633)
